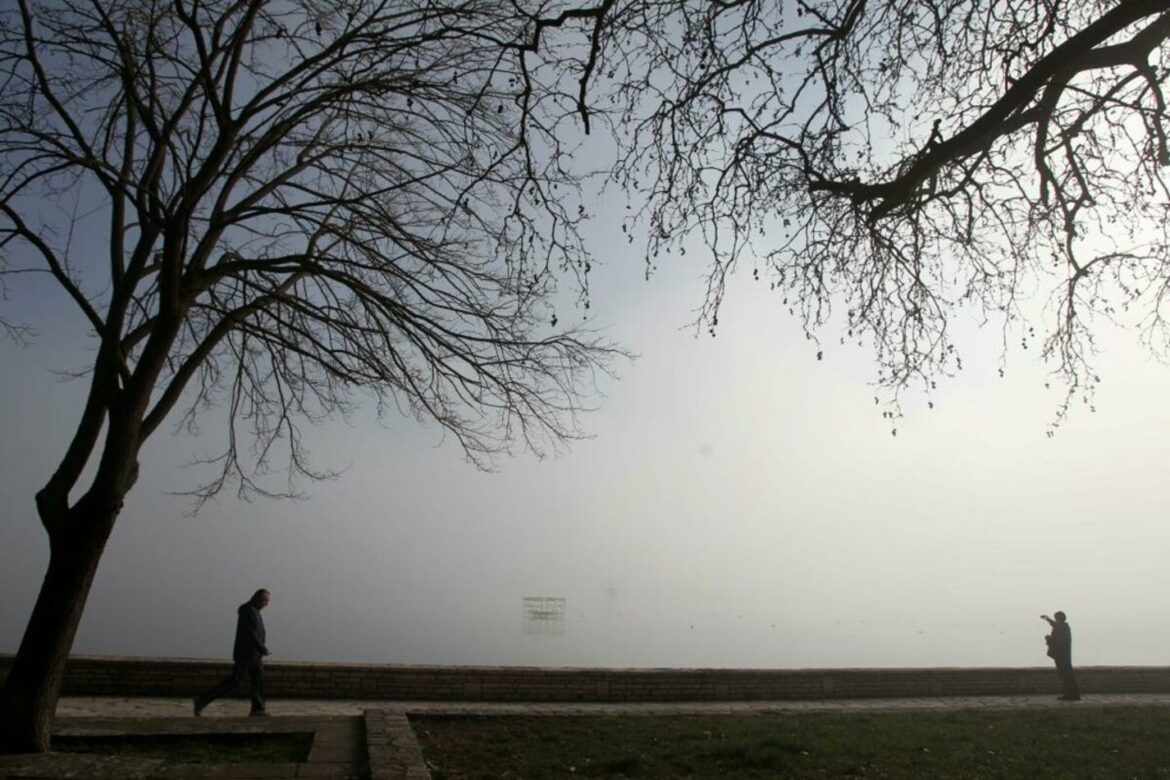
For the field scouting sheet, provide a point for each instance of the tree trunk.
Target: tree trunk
(28, 700)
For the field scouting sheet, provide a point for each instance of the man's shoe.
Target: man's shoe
(197, 707)
(258, 714)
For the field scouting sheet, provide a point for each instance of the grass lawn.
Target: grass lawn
(195, 748)
(1073, 741)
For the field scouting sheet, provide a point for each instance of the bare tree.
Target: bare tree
(263, 206)
(302, 197)
(901, 159)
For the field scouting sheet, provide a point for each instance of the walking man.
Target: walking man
(1060, 651)
(248, 655)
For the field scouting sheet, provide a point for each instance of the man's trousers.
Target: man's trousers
(255, 673)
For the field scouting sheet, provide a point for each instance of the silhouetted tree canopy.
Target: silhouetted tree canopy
(262, 206)
(301, 198)
(896, 160)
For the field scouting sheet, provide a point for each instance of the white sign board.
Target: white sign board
(543, 615)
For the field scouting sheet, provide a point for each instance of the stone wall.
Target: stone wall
(110, 676)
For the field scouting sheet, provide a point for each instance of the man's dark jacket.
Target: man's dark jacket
(249, 647)
(1060, 643)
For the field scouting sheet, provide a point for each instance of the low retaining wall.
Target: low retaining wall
(110, 676)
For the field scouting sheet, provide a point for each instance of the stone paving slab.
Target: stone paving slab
(146, 707)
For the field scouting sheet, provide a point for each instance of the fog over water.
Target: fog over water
(741, 504)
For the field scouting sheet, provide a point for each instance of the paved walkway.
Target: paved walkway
(373, 739)
(162, 708)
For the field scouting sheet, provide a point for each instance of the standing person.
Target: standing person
(1060, 651)
(247, 653)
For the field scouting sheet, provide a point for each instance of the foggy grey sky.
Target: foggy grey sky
(740, 505)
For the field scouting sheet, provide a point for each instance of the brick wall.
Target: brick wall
(110, 676)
